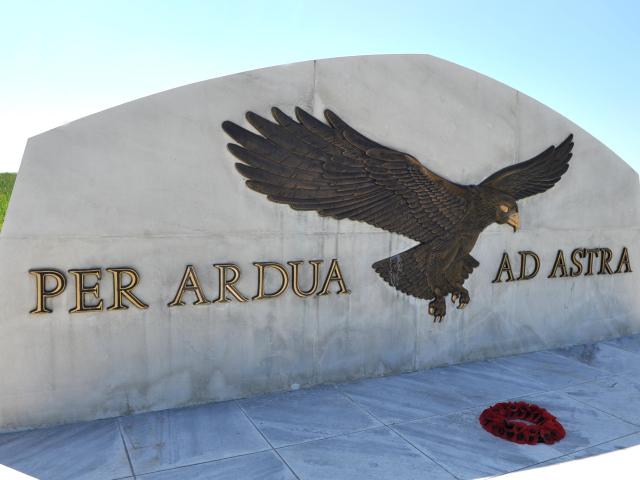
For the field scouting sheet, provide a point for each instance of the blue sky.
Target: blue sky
(61, 60)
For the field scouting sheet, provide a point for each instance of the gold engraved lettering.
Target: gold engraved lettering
(334, 275)
(523, 265)
(228, 284)
(505, 267)
(559, 264)
(295, 278)
(42, 294)
(189, 283)
(624, 262)
(262, 266)
(121, 291)
(83, 290)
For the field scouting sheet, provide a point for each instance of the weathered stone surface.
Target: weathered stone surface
(151, 185)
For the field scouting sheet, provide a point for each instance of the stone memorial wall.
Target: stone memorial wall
(138, 272)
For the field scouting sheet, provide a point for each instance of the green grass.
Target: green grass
(7, 180)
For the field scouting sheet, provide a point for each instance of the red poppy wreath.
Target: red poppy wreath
(539, 426)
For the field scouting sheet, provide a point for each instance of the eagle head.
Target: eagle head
(506, 211)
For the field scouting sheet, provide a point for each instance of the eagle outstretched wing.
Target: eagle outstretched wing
(340, 173)
(535, 175)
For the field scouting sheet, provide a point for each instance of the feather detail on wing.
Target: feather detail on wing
(340, 173)
(535, 175)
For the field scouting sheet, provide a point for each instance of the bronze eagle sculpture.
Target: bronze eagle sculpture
(338, 172)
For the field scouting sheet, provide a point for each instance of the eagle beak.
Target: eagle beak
(514, 221)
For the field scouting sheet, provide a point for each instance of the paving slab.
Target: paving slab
(460, 444)
(305, 415)
(172, 438)
(550, 369)
(256, 466)
(405, 397)
(370, 455)
(604, 357)
(630, 343)
(481, 383)
(629, 441)
(616, 395)
(91, 450)
(585, 426)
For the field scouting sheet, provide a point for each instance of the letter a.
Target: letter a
(190, 283)
(505, 267)
(334, 275)
(559, 263)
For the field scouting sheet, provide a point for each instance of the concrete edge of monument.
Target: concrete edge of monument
(139, 273)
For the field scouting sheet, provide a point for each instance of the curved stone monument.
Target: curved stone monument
(138, 272)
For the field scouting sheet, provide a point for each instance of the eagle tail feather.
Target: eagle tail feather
(407, 271)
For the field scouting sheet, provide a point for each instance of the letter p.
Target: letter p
(42, 293)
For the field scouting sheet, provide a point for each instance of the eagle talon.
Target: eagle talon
(454, 297)
(438, 309)
(464, 298)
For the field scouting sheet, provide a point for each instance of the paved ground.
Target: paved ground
(416, 426)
